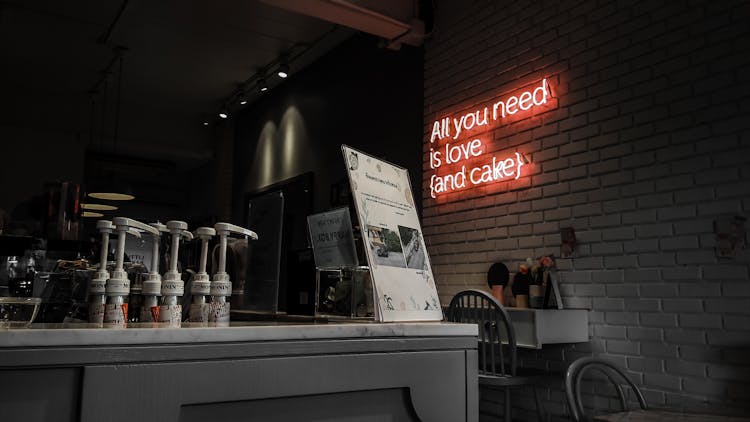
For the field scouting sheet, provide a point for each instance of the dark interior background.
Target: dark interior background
(359, 94)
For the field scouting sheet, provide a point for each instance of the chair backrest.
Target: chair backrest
(575, 373)
(496, 338)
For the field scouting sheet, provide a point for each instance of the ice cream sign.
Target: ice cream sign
(461, 156)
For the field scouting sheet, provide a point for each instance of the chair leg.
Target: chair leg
(539, 411)
(507, 405)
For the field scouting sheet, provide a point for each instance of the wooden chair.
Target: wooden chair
(496, 343)
(575, 373)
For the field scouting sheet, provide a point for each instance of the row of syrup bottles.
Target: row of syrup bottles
(161, 297)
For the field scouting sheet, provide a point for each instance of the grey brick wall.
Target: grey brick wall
(647, 145)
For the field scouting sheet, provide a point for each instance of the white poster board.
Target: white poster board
(403, 284)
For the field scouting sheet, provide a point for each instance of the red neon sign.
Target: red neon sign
(496, 169)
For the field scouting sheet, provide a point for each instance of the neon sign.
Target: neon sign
(496, 169)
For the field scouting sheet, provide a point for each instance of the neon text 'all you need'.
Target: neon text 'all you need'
(453, 153)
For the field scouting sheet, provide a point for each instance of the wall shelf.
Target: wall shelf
(537, 327)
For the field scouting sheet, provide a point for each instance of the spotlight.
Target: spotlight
(223, 113)
(262, 86)
(242, 98)
(283, 71)
(205, 123)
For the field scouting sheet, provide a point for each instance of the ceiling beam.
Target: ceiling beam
(343, 12)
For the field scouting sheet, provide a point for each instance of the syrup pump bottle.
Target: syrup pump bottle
(152, 283)
(172, 286)
(201, 286)
(118, 285)
(221, 286)
(98, 284)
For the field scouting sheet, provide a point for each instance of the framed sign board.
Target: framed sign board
(403, 284)
(332, 238)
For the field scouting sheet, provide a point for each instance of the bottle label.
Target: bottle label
(150, 314)
(221, 289)
(174, 288)
(199, 312)
(96, 313)
(116, 314)
(97, 286)
(219, 313)
(171, 314)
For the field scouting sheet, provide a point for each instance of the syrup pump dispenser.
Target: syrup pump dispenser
(201, 286)
(221, 286)
(152, 283)
(98, 284)
(118, 284)
(172, 286)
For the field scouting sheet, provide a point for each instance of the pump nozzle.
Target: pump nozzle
(221, 286)
(223, 230)
(154, 273)
(204, 234)
(98, 284)
(152, 283)
(201, 286)
(177, 229)
(106, 228)
(172, 286)
(118, 285)
(129, 223)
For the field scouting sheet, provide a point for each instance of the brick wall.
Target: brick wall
(644, 145)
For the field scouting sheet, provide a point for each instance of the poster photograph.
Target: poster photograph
(402, 277)
(411, 240)
(385, 246)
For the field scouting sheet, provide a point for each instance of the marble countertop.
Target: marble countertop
(45, 335)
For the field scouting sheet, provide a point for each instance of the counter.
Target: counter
(249, 371)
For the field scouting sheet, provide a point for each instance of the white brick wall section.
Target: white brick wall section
(648, 144)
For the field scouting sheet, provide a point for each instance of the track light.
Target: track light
(205, 123)
(283, 71)
(262, 86)
(223, 113)
(242, 98)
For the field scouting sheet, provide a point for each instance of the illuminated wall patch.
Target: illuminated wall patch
(453, 154)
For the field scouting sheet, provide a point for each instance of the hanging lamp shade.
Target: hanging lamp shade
(110, 189)
(112, 196)
(91, 214)
(97, 207)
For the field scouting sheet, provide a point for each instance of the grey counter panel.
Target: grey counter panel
(40, 394)
(260, 376)
(158, 391)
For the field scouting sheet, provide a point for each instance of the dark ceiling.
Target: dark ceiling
(183, 58)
